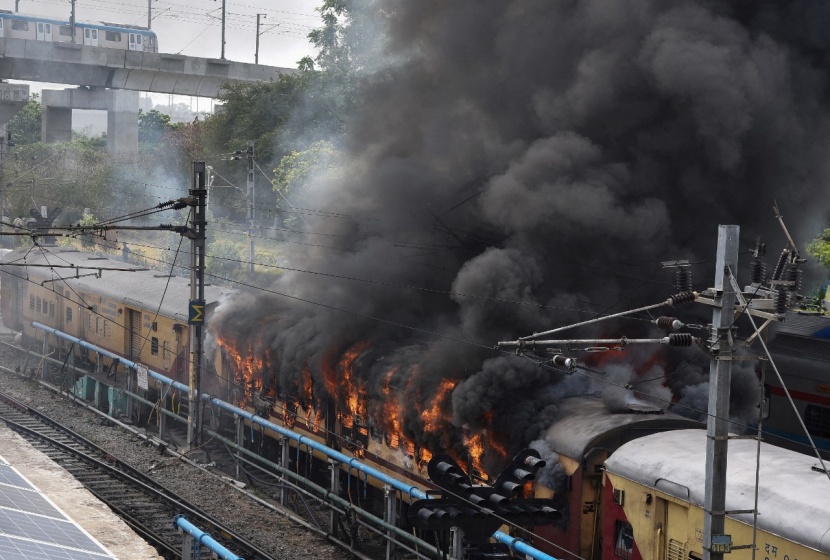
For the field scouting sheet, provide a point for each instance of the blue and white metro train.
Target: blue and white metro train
(102, 34)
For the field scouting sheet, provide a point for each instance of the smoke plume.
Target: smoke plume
(538, 160)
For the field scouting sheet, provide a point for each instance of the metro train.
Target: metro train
(101, 34)
(628, 483)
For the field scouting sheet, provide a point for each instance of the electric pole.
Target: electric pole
(16, 5)
(72, 22)
(715, 542)
(251, 209)
(256, 56)
(196, 310)
(149, 14)
(223, 30)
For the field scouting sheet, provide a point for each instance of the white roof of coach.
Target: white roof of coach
(793, 501)
(142, 288)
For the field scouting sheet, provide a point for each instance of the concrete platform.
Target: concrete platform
(46, 514)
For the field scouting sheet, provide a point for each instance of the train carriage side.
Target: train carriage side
(654, 494)
(584, 434)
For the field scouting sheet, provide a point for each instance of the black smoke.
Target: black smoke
(538, 160)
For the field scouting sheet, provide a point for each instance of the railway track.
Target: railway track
(142, 502)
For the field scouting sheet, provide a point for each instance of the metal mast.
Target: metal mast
(715, 542)
(251, 209)
(196, 315)
(256, 54)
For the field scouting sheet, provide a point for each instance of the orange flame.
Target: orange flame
(247, 369)
(435, 415)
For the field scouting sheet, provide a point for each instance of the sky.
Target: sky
(193, 27)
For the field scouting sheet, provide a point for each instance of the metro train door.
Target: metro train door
(90, 37)
(40, 34)
(134, 335)
(135, 42)
(47, 32)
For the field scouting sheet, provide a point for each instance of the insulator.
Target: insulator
(682, 297)
(683, 280)
(794, 276)
(560, 360)
(781, 301)
(669, 323)
(758, 272)
(680, 339)
(779, 266)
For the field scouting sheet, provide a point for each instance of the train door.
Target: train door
(134, 339)
(2, 27)
(40, 35)
(90, 37)
(673, 537)
(135, 42)
(47, 32)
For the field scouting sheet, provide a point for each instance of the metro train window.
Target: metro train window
(154, 346)
(86, 33)
(20, 25)
(94, 33)
(40, 28)
(113, 36)
(65, 30)
(817, 420)
(623, 539)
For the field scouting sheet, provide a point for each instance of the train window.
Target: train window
(38, 305)
(52, 309)
(65, 30)
(31, 301)
(113, 36)
(155, 325)
(20, 25)
(40, 28)
(48, 28)
(86, 33)
(68, 314)
(623, 539)
(817, 420)
(94, 33)
(154, 346)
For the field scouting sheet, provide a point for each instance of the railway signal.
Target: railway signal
(480, 509)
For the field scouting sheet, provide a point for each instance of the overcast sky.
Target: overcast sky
(193, 27)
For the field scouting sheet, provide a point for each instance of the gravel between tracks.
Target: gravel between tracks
(281, 537)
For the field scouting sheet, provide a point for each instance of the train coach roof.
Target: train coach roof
(585, 423)
(794, 499)
(141, 288)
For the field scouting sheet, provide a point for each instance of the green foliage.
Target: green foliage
(152, 126)
(297, 168)
(223, 258)
(819, 248)
(24, 127)
(72, 175)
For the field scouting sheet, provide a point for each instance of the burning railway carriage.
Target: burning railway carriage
(654, 496)
(131, 311)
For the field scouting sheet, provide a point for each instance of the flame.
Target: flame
(475, 449)
(435, 415)
(247, 368)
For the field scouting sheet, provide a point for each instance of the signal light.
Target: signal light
(479, 510)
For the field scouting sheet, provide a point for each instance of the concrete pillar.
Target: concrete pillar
(56, 124)
(13, 97)
(122, 115)
(122, 122)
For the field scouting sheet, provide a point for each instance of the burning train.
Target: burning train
(627, 481)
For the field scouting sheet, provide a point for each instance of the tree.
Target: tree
(819, 248)
(152, 126)
(298, 168)
(25, 126)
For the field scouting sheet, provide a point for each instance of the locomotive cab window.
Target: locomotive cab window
(20, 25)
(623, 539)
